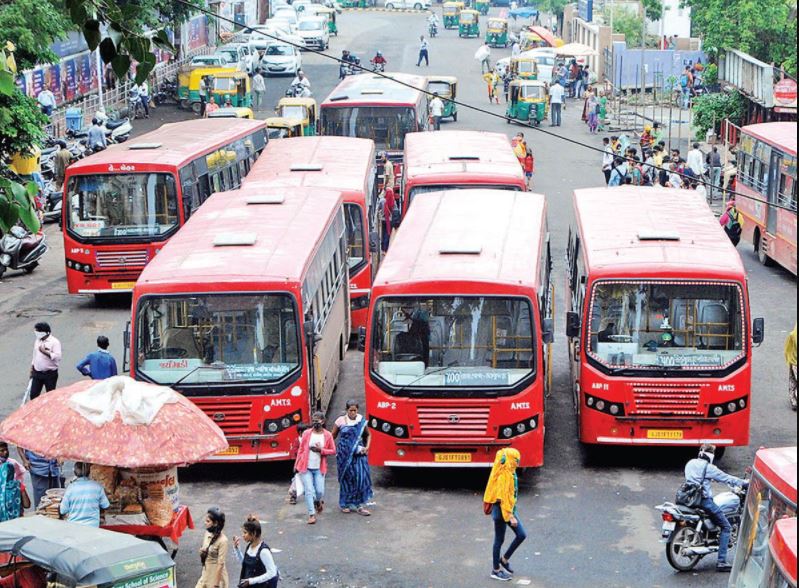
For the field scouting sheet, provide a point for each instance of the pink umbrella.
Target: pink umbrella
(115, 422)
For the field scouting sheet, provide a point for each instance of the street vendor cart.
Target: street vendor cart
(31, 548)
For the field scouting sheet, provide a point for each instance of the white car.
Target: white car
(286, 13)
(236, 53)
(314, 32)
(405, 4)
(281, 59)
(213, 60)
(545, 58)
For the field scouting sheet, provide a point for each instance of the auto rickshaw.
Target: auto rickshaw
(353, 3)
(446, 87)
(304, 109)
(482, 6)
(497, 32)
(232, 112)
(530, 40)
(525, 68)
(330, 15)
(450, 11)
(279, 127)
(529, 101)
(469, 23)
(222, 82)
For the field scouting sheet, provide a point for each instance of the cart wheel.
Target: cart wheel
(454, 117)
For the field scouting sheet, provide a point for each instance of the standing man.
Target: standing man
(96, 136)
(46, 359)
(100, 364)
(714, 164)
(515, 49)
(555, 102)
(45, 473)
(258, 88)
(61, 160)
(423, 52)
(203, 91)
(83, 499)
(696, 161)
(46, 100)
(144, 96)
(436, 111)
(607, 159)
(485, 58)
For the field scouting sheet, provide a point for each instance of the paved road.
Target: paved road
(589, 524)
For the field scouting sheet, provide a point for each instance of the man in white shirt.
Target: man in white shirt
(696, 161)
(436, 111)
(144, 96)
(46, 101)
(258, 88)
(607, 158)
(555, 102)
(516, 49)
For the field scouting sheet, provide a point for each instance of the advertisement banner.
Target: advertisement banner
(37, 82)
(84, 74)
(198, 32)
(52, 81)
(70, 71)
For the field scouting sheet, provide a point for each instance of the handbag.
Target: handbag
(689, 493)
(487, 507)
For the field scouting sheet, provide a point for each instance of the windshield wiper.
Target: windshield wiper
(217, 365)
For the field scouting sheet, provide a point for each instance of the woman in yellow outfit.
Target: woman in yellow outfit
(492, 80)
(502, 492)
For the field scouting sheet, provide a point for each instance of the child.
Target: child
(529, 168)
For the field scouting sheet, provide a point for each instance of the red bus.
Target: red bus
(447, 160)
(375, 107)
(766, 162)
(457, 358)
(658, 322)
(122, 204)
(245, 312)
(342, 164)
(767, 539)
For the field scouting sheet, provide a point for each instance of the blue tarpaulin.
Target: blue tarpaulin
(524, 12)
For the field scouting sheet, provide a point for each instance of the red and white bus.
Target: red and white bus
(346, 165)
(448, 160)
(457, 359)
(766, 554)
(122, 204)
(245, 311)
(660, 343)
(766, 162)
(376, 107)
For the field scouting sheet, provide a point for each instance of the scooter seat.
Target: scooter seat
(687, 510)
(29, 243)
(113, 124)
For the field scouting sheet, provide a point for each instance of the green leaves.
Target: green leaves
(91, 32)
(17, 203)
(121, 65)
(108, 51)
(7, 84)
(710, 109)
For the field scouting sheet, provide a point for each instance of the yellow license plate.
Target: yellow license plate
(122, 285)
(452, 457)
(664, 434)
(232, 450)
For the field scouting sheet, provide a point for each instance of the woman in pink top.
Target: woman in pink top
(316, 444)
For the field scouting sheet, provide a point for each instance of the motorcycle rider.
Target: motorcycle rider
(301, 84)
(347, 59)
(378, 61)
(432, 23)
(701, 471)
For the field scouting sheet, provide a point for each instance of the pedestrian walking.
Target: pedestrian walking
(515, 49)
(83, 498)
(213, 553)
(258, 567)
(45, 473)
(555, 102)
(259, 88)
(315, 445)
(100, 364)
(506, 80)
(437, 111)
(11, 489)
(529, 169)
(501, 495)
(144, 98)
(713, 161)
(492, 81)
(61, 161)
(352, 447)
(483, 55)
(607, 159)
(388, 208)
(423, 52)
(46, 359)
(46, 100)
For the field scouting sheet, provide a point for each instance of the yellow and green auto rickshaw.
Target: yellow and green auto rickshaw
(497, 32)
(304, 109)
(528, 101)
(447, 88)
(450, 11)
(189, 82)
(279, 127)
(525, 68)
(469, 23)
(330, 15)
(482, 6)
(222, 83)
(232, 112)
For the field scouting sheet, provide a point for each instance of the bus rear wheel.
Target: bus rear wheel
(762, 250)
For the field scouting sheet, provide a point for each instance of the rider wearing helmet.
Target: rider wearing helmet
(378, 59)
(701, 471)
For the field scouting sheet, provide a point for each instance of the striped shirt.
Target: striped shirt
(82, 502)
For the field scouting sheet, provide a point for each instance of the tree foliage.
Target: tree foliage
(710, 109)
(32, 25)
(627, 23)
(765, 29)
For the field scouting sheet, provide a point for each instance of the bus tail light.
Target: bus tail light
(274, 426)
(520, 428)
(729, 407)
(388, 428)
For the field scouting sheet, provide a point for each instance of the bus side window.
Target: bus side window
(203, 189)
(190, 200)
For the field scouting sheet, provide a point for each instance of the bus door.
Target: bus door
(773, 192)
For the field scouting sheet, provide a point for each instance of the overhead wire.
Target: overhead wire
(468, 106)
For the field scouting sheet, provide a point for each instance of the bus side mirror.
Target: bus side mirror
(572, 324)
(374, 241)
(126, 349)
(758, 331)
(547, 331)
(361, 338)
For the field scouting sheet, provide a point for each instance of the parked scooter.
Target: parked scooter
(118, 130)
(21, 250)
(166, 92)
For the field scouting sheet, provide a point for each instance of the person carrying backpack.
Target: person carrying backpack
(686, 83)
(732, 221)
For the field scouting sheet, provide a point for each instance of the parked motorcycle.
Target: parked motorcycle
(21, 250)
(167, 91)
(690, 534)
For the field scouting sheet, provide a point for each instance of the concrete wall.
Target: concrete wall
(598, 37)
(675, 20)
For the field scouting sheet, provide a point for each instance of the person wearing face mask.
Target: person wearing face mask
(316, 444)
(354, 479)
(213, 553)
(46, 359)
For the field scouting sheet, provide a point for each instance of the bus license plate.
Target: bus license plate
(122, 285)
(452, 458)
(232, 450)
(664, 434)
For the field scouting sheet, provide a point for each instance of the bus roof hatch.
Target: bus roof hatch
(266, 199)
(233, 239)
(658, 236)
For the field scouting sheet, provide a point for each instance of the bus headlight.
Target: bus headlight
(507, 432)
(742, 402)
(600, 405)
(732, 406)
(374, 423)
(399, 431)
(718, 411)
(272, 427)
(728, 407)
(533, 423)
(612, 408)
(590, 401)
(518, 428)
(388, 428)
(359, 302)
(285, 422)
(521, 427)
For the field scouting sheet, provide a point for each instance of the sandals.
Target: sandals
(346, 510)
(311, 519)
(363, 512)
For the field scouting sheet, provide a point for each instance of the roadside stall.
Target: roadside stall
(78, 556)
(469, 23)
(134, 435)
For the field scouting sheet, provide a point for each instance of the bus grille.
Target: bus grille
(447, 421)
(231, 415)
(667, 399)
(124, 259)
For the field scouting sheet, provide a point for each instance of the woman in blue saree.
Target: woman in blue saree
(352, 446)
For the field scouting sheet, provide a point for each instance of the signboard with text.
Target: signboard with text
(585, 10)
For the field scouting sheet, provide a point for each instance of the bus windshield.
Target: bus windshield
(415, 191)
(385, 125)
(451, 342)
(666, 325)
(217, 338)
(121, 206)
